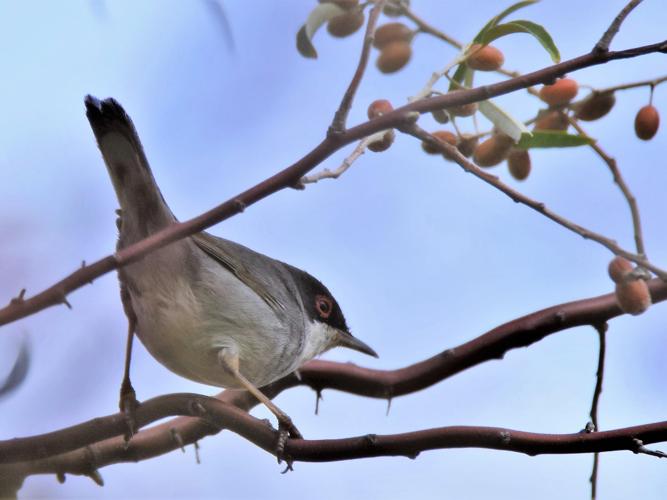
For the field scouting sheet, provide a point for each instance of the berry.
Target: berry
(440, 116)
(384, 143)
(346, 24)
(379, 107)
(493, 150)
(518, 162)
(394, 56)
(633, 297)
(463, 109)
(618, 268)
(485, 58)
(391, 32)
(561, 92)
(551, 120)
(647, 122)
(467, 145)
(595, 106)
(444, 136)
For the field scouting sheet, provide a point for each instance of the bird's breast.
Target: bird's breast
(184, 322)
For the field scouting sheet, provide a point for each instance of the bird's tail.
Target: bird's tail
(144, 210)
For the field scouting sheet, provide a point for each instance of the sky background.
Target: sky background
(421, 256)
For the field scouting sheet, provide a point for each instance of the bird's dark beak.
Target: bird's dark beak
(345, 339)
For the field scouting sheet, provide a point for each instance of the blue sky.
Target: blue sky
(420, 256)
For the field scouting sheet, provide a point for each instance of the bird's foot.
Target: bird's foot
(128, 405)
(286, 430)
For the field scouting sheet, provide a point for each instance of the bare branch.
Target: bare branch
(519, 197)
(640, 448)
(425, 27)
(318, 375)
(347, 163)
(643, 83)
(89, 459)
(340, 118)
(605, 41)
(620, 182)
(602, 331)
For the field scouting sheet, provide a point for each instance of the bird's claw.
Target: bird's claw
(128, 405)
(286, 430)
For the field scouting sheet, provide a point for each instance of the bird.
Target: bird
(207, 308)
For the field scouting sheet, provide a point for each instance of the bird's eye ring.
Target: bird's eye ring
(324, 306)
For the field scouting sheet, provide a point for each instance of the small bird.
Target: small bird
(207, 308)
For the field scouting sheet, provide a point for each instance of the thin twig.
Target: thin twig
(605, 40)
(599, 377)
(519, 197)
(425, 27)
(620, 182)
(640, 448)
(643, 83)
(347, 163)
(340, 118)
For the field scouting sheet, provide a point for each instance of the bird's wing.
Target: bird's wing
(217, 249)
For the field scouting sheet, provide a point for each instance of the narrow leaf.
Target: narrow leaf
(495, 20)
(460, 75)
(503, 121)
(317, 17)
(522, 26)
(553, 139)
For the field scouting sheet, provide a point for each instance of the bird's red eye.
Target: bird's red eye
(324, 306)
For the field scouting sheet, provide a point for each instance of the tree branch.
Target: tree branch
(318, 375)
(340, 118)
(622, 185)
(599, 377)
(518, 197)
(605, 41)
(87, 460)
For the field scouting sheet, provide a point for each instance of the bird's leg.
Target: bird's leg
(128, 399)
(229, 359)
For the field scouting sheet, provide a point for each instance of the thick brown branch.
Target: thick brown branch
(319, 375)
(290, 176)
(87, 460)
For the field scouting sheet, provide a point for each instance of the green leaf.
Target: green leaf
(553, 139)
(522, 26)
(495, 20)
(503, 121)
(460, 75)
(317, 17)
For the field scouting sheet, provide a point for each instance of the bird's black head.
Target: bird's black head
(320, 305)
(317, 300)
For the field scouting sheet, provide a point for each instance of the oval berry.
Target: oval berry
(394, 56)
(561, 92)
(647, 122)
(391, 32)
(485, 58)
